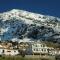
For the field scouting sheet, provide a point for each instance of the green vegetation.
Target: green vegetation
(25, 58)
(52, 44)
(15, 58)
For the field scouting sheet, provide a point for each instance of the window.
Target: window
(42, 49)
(41, 45)
(36, 49)
(14, 51)
(35, 45)
(8, 51)
(3, 51)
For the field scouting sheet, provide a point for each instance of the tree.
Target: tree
(23, 46)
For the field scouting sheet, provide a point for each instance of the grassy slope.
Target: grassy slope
(25, 58)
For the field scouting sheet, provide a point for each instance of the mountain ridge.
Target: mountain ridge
(22, 24)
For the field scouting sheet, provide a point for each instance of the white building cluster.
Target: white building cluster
(6, 50)
(43, 49)
(34, 48)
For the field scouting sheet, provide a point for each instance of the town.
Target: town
(27, 48)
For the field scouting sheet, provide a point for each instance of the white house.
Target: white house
(5, 51)
(1, 51)
(39, 48)
(10, 52)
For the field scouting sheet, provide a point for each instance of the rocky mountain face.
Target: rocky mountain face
(18, 24)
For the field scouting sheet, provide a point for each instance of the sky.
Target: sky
(46, 7)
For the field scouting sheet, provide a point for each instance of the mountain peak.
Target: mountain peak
(14, 10)
(20, 24)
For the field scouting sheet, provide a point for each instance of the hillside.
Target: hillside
(19, 24)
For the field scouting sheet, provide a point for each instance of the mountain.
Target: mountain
(19, 25)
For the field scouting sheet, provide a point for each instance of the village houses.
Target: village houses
(34, 48)
(7, 49)
(42, 49)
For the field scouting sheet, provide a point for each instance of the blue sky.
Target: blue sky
(47, 7)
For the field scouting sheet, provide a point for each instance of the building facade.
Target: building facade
(43, 49)
(39, 48)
